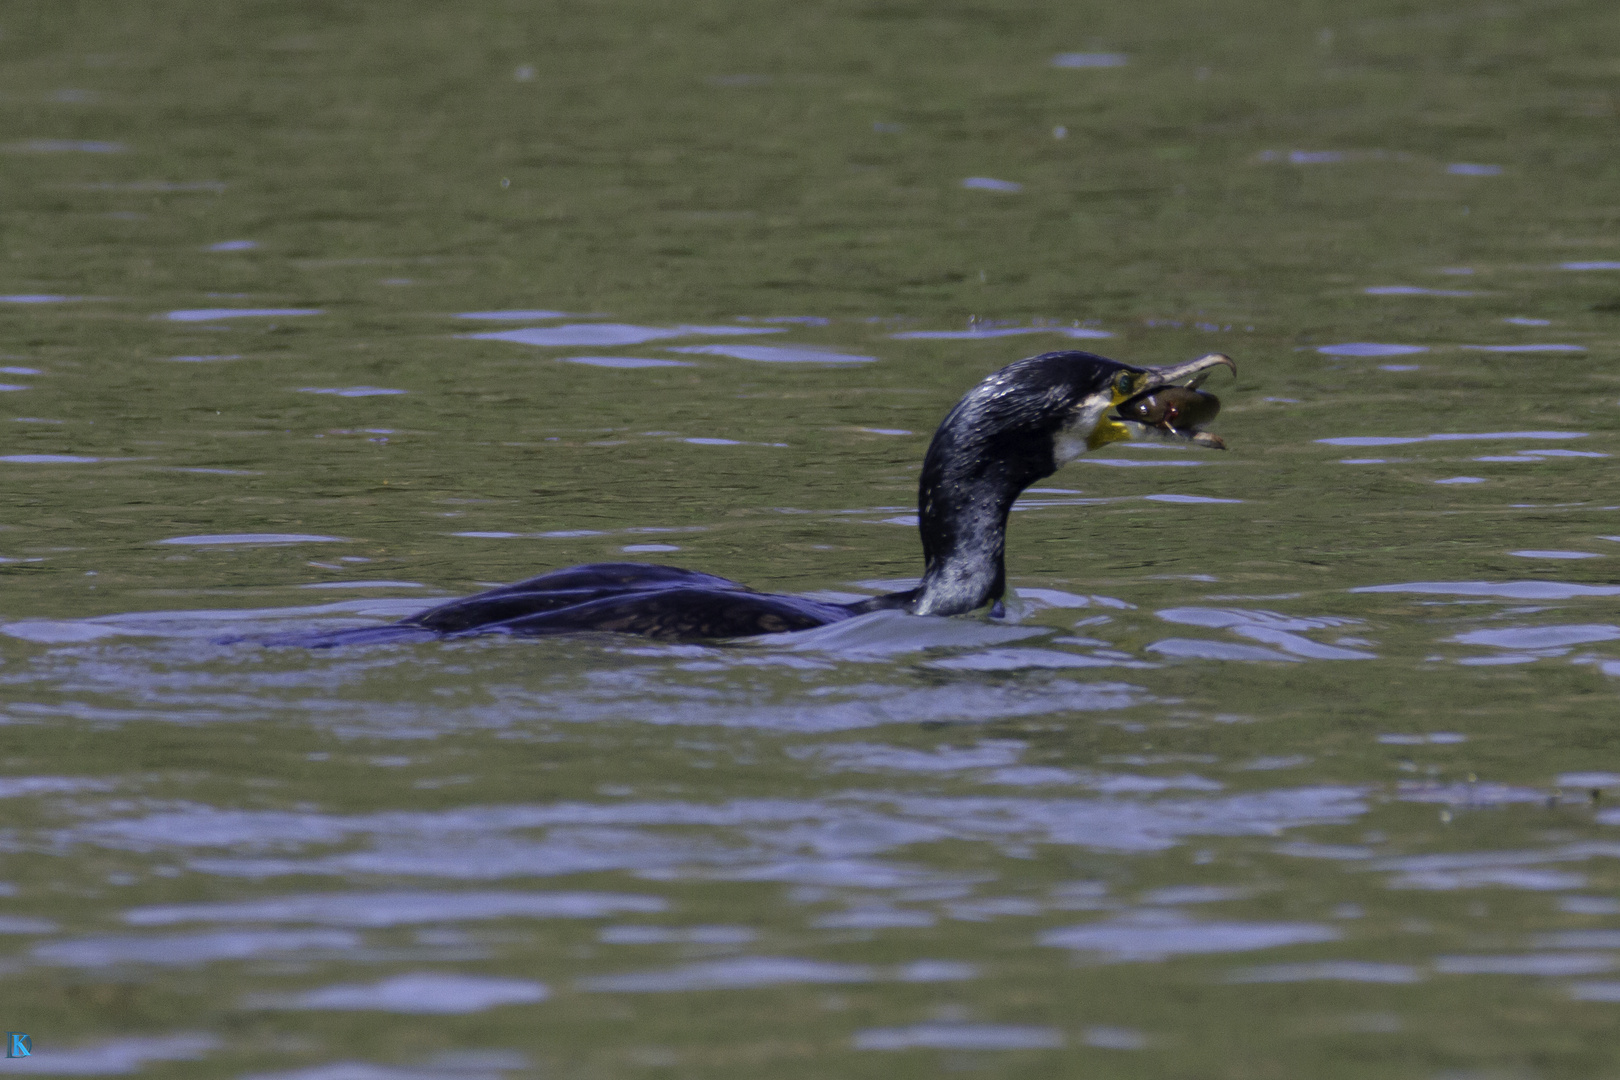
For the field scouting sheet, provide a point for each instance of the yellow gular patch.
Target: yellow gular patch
(1107, 431)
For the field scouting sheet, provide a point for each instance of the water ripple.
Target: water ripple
(1267, 627)
(372, 909)
(750, 972)
(189, 950)
(1158, 936)
(1529, 964)
(956, 1036)
(1506, 590)
(1402, 440)
(434, 993)
(126, 1054)
(608, 334)
(776, 354)
(1328, 970)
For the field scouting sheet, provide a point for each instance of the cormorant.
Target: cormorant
(1016, 427)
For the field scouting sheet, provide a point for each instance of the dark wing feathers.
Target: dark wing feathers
(562, 589)
(621, 598)
(681, 612)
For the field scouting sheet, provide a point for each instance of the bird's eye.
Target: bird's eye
(1124, 383)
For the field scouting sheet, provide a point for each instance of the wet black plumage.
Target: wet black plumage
(1014, 428)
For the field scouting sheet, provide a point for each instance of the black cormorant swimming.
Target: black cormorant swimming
(1016, 427)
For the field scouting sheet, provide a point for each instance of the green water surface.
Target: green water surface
(1196, 809)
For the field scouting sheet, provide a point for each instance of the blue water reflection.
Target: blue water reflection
(1394, 290)
(622, 362)
(1505, 590)
(1402, 440)
(749, 972)
(251, 539)
(189, 950)
(126, 1054)
(610, 334)
(351, 391)
(988, 183)
(437, 993)
(1360, 971)
(519, 315)
(1089, 60)
(1155, 935)
(960, 1036)
(1367, 348)
(400, 908)
(67, 146)
(772, 354)
(1529, 348)
(992, 331)
(191, 315)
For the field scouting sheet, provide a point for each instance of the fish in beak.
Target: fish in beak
(1166, 403)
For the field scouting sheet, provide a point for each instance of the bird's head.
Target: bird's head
(1033, 416)
(1021, 424)
(1126, 403)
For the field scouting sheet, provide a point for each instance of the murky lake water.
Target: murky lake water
(1290, 761)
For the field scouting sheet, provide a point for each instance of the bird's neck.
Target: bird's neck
(964, 530)
(965, 495)
(998, 440)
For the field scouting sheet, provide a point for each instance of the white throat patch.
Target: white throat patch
(1074, 438)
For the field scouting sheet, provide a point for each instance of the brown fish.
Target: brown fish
(1177, 409)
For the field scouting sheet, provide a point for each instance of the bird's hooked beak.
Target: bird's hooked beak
(1165, 403)
(1193, 372)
